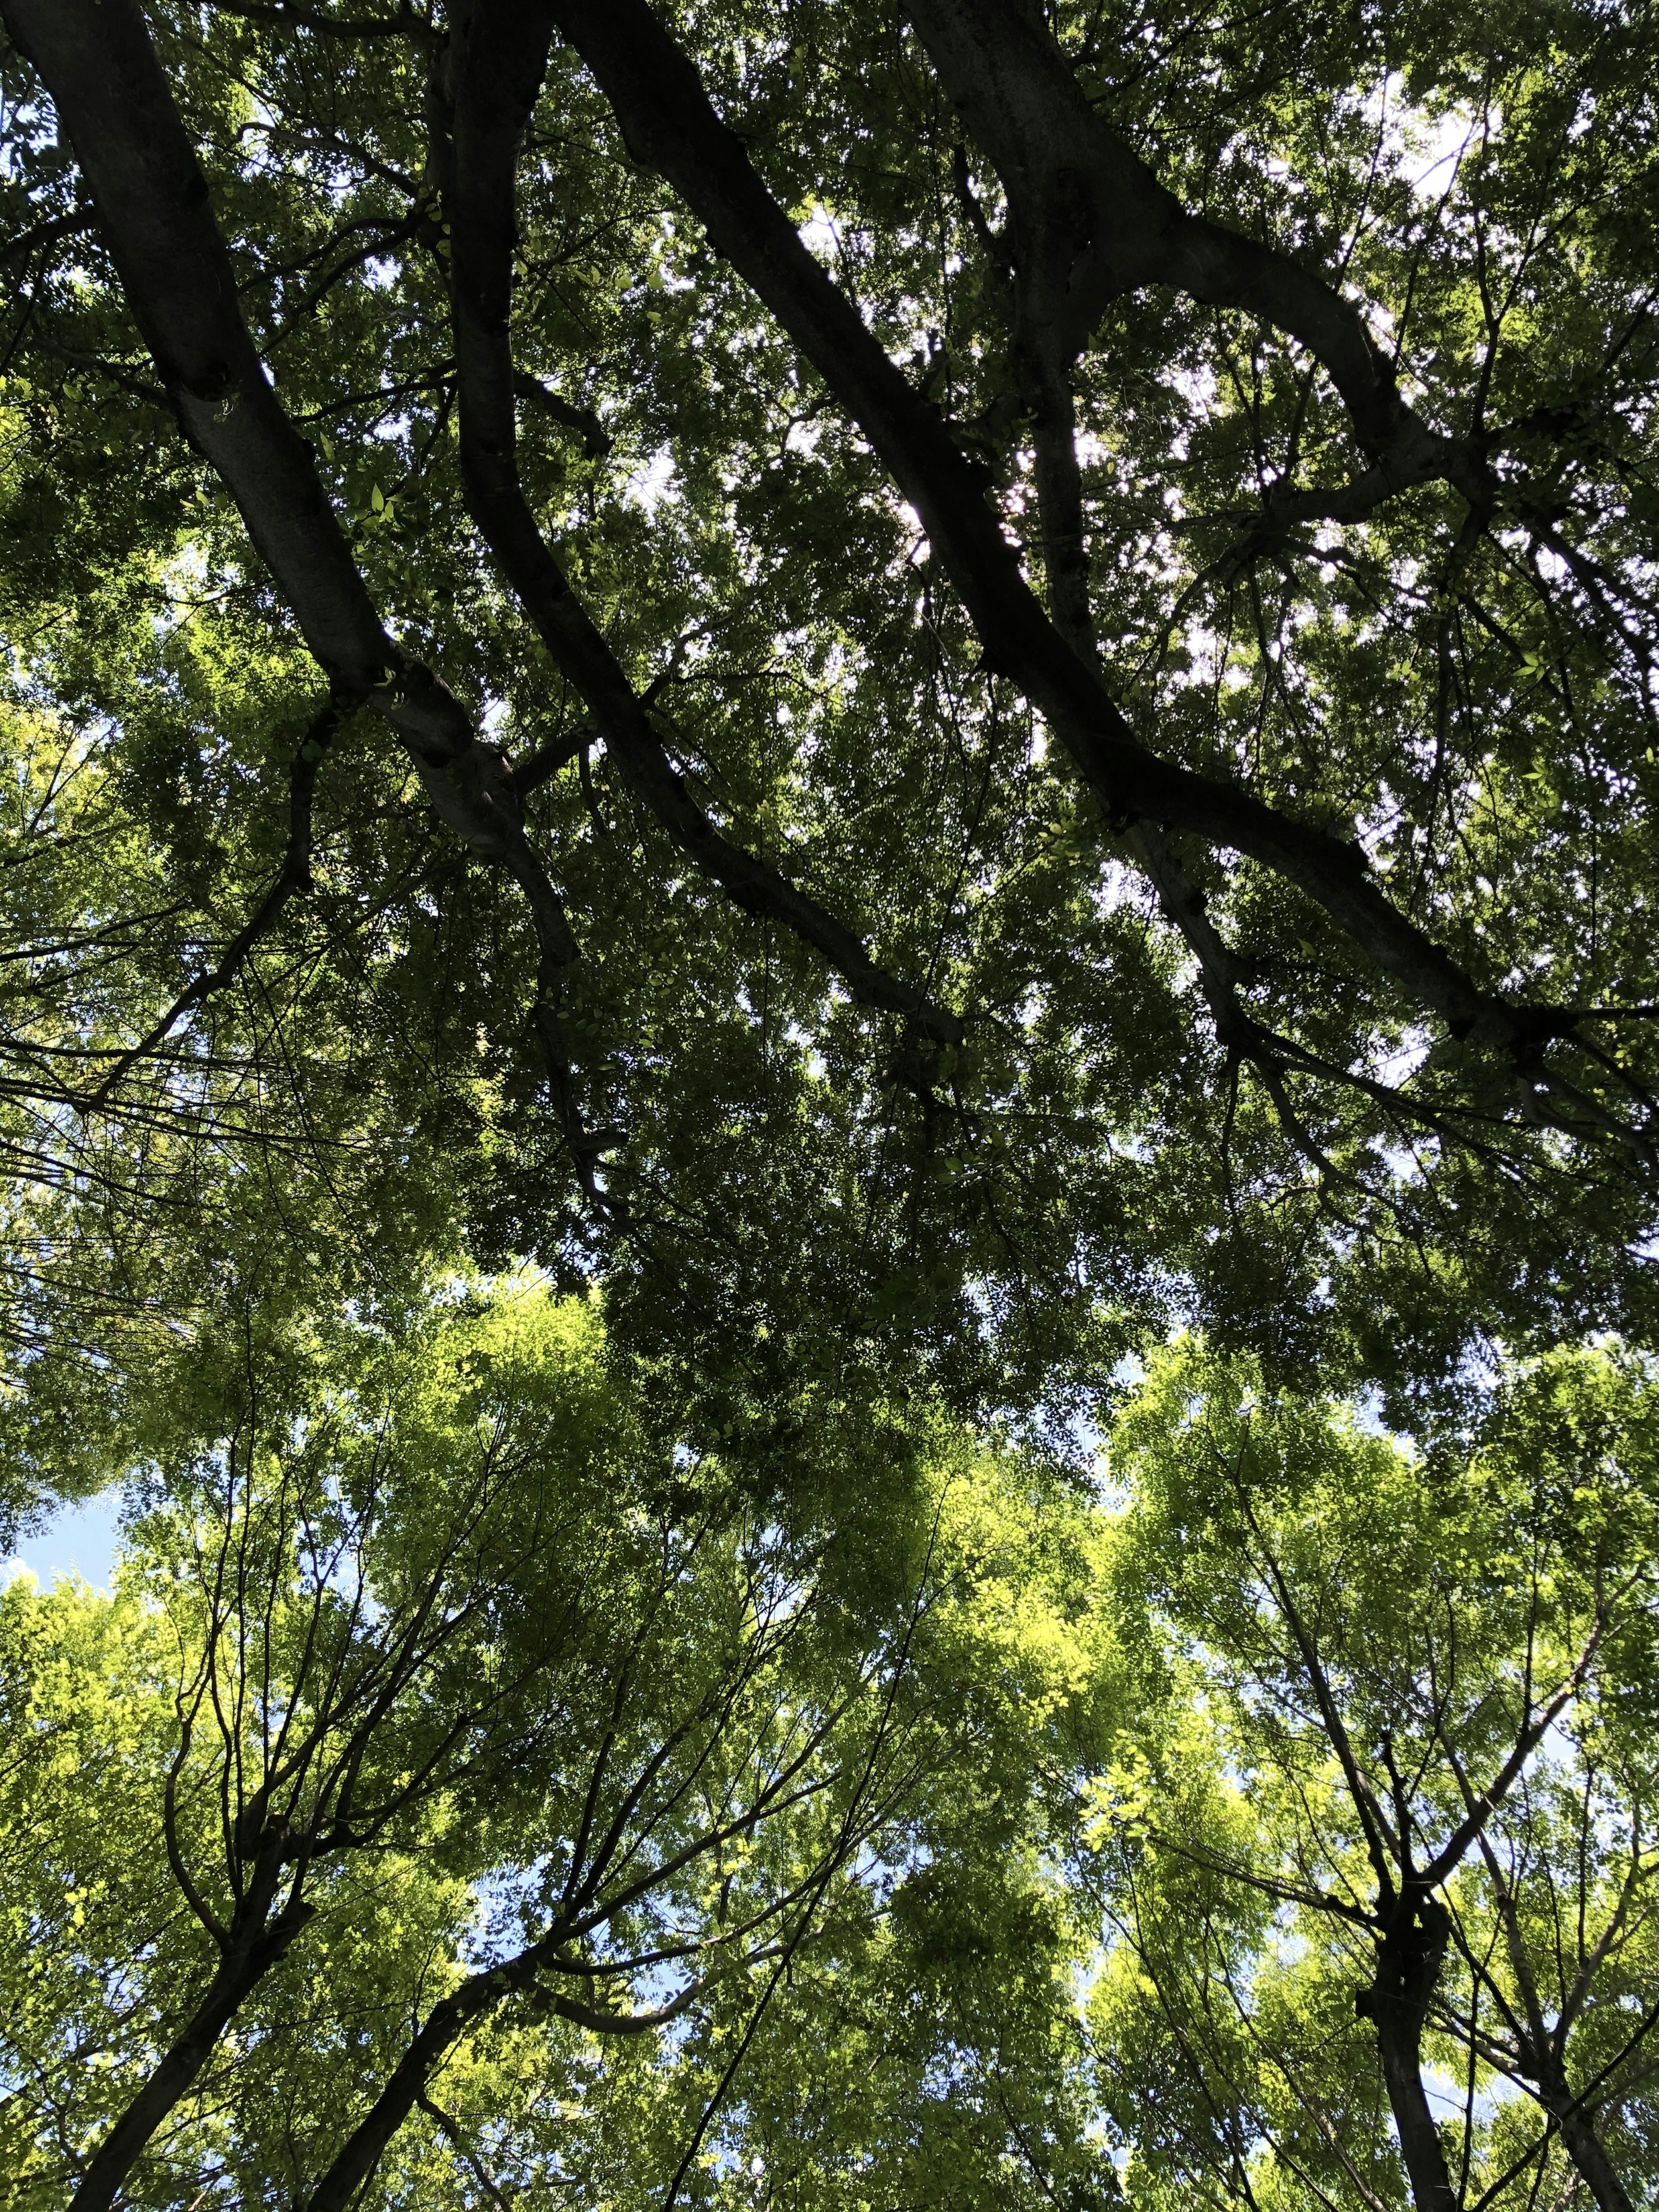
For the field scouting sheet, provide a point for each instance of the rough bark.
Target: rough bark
(152, 199)
(116, 107)
(97, 61)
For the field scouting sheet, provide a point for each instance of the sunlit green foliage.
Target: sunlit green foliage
(628, 1682)
(1362, 1653)
(1467, 692)
(428, 1635)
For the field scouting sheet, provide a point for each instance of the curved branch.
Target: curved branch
(51, 232)
(1092, 221)
(292, 878)
(600, 2022)
(114, 103)
(670, 126)
(582, 420)
(498, 79)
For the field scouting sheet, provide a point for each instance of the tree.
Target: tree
(1391, 1683)
(1558, 1946)
(443, 1733)
(1555, 1928)
(1255, 412)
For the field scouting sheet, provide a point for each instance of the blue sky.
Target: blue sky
(79, 1540)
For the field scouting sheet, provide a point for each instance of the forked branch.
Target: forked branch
(671, 125)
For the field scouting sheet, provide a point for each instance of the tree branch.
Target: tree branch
(1091, 222)
(1532, 1733)
(582, 420)
(1066, 558)
(670, 126)
(115, 104)
(292, 878)
(499, 76)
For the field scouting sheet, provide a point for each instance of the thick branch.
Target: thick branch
(362, 2152)
(114, 103)
(582, 420)
(498, 79)
(1092, 221)
(622, 2023)
(1408, 1962)
(540, 766)
(405, 2087)
(670, 126)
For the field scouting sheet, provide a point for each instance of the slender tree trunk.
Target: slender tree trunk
(244, 1964)
(1582, 2144)
(363, 2147)
(1408, 1961)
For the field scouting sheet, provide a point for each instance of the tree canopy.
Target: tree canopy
(461, 1797)
(443, 1738)
(985, 671)
(827, 1061)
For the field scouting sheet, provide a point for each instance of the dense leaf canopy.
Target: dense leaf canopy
(459, 1797)
(827, 1057)
(985, 673)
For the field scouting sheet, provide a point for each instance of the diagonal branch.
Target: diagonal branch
(1066, 559)
(291, 880)
(1482, 1806)
(1285, 1893)
(1090, 221)
(499, 77)
(582, 420)
(115, 106)
(670, 124)
(450, 2129)
(50, 232)
(1380, 1837)
(540, 766)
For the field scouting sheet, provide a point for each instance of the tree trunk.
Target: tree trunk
(244, 1964)
(1408, 1961)
(362, 2151)
(1582, 2144)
